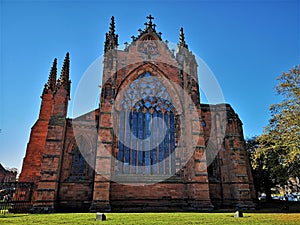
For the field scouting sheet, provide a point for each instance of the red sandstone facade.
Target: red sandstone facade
(82, 163)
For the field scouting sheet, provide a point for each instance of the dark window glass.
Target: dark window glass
(78, 166)
(147, 129)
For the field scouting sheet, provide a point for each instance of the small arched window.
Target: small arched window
(79, 164)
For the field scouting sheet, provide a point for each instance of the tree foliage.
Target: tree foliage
(278, 151)
(264, 176)
(13, 169)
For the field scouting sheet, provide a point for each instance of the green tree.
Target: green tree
(264, 177)
(278, 152)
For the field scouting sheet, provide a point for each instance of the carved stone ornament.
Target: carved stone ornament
(148, 49)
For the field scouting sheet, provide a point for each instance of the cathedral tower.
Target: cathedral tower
(147, 89)
(35, 147)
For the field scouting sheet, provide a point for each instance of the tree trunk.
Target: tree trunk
(268, 185)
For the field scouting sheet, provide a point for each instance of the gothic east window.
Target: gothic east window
(147, 129)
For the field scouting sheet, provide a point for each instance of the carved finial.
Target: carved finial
(111, 39)
(51, 84)
(112, 26)
(64, 76)
(182, 39)
(52, 76)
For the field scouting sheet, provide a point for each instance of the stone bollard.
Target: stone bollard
(238, 214)
(100, 216)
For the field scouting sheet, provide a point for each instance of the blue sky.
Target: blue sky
(246, 44)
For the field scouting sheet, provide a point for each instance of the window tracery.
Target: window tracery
(79, 164)
(147, 129)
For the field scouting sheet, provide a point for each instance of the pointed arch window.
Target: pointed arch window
(147, 129)
(79, 164)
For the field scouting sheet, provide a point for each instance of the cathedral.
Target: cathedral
(151, 145)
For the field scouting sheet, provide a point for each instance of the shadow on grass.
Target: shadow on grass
(232, 216)
(12, 215)
(277, 206)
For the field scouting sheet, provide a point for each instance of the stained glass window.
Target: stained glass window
(78, 167)
(147, 129)
(79, 164)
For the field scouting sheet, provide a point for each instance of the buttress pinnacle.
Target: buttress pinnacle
(111, 39)
(64, 76)
(112, 26)
(51, 84)
(182, 39)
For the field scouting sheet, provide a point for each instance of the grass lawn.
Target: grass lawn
(152, 218)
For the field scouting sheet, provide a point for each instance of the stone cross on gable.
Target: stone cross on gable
(150, 24)
(150, 18)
